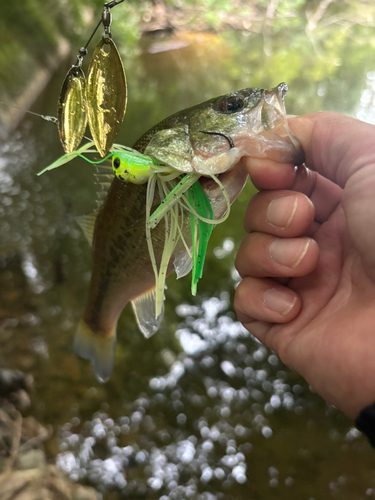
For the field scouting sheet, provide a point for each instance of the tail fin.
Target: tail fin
(99, 350)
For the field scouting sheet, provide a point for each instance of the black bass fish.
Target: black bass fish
(210, 139)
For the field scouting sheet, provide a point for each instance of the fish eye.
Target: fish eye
(231, 104)
(116, 162)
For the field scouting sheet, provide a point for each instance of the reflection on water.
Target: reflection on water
(200, 410)
(221, 390)
(195, 429)
(201, 440)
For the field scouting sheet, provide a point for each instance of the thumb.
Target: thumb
(342, 149)
(335, 145)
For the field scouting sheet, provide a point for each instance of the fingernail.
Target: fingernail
(279, 301)
(289, 252)
(281, 210)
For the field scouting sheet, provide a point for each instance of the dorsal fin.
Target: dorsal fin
(144, 310)
(104, 185)
(103, 180)
(104, 169)
(87, 223)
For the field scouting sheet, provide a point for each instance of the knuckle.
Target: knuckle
(241, 296)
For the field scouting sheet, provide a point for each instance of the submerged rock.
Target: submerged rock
(46, 482)
(24, 472)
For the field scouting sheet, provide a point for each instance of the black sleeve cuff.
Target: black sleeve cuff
(365, 422)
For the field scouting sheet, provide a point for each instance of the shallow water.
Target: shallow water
(200, 410)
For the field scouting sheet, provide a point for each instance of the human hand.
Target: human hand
(308, 260)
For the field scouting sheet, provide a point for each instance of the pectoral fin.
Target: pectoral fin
(144, 310)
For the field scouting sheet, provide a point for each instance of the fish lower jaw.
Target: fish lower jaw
(273, 146)
(218, 164)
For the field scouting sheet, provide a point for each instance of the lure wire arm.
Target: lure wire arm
(113, 3)
(92, 35)
(106, 20)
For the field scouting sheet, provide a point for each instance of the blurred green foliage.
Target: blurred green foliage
(32, 30)
(293, 31)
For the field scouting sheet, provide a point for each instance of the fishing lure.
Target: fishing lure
(101, 101)
(106, 94)
(139, 169)
(134, 168)
(71, 110)
(180, 195)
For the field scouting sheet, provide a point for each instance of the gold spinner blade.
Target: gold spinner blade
(106, 95)
(71, 110)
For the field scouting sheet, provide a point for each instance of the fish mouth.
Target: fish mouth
(273, 100)
(274, 119)
(272, 108)
(231, 159)
(264, 134)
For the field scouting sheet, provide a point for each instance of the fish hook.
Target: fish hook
(231, 145)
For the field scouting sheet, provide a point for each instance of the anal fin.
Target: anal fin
(182, 264)
(144, 310)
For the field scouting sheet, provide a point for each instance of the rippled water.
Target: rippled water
(200, 410)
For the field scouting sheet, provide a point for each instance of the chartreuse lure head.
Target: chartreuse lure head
(130, 167)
